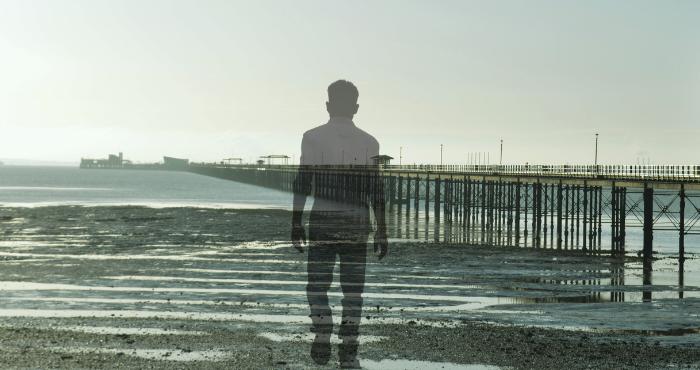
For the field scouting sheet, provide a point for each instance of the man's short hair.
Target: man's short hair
(343, 93)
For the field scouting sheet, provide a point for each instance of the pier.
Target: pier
(543, 206)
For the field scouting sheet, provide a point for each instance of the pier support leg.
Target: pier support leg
(577, 209)
(491, 188)
(416, 199)
(392, 191)
(464, 202)
(437, 199)
(681, 226)
(399, 200)
(566, 216)
(551, 215)
(408, 197)
(623, 214)
(427, 200)
(517, 213)
(499, 209)
(614, 219)
(454, 199)
(510, 213)
(525, 233)
(456, 209)
(648, 222)
(585, 215)
(559, 206)
(546, 206)
(538, 229)
(483, 208)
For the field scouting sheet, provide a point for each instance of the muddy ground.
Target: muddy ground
(139, 288)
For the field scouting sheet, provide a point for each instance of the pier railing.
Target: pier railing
(623, 172)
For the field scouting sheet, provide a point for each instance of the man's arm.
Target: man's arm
(302, 189)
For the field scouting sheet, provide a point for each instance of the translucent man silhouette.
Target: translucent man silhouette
(340, 226)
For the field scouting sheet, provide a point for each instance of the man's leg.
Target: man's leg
(353, 263)
(320, 276)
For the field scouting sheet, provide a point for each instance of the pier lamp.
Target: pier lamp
(441, 154)
(501, 162)
(596, 150)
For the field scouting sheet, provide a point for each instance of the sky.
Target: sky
(207, 80)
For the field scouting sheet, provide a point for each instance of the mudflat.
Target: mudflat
(138, 287)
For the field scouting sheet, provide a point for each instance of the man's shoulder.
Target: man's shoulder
(324, 130)
(315, 131)
(367, 135)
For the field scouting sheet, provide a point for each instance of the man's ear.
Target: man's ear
(328, 107)
(357, 106)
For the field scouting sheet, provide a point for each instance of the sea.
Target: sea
(37, 186)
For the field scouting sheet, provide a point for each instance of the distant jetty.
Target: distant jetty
(114, 161)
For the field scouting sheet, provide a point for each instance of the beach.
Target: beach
(141, 287)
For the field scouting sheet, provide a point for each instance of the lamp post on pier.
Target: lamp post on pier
(441, 154)
(501, 161)
(400, 154)
(596, 152)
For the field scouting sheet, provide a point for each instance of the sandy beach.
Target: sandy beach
(138, 287)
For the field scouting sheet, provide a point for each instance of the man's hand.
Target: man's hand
(299, 234)
(381, 244)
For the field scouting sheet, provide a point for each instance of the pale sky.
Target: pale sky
(206, 80)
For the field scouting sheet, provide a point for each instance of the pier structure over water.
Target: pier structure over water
(563, 206)
(556, 206)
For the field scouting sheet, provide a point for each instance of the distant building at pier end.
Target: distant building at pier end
(170, 161)
(113, 161)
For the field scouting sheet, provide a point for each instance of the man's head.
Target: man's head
(342, 99)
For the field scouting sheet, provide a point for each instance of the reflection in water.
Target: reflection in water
(659, 333)
(618, 279)
(681, 266)
(418, 224)
(646, 279)
(591, 298)
(421, 365)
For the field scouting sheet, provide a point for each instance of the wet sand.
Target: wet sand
(137, 287)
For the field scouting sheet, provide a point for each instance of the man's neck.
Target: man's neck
(339, 116)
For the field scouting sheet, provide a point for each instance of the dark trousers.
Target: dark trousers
(349, 243)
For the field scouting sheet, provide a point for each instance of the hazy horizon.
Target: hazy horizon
(212, 80)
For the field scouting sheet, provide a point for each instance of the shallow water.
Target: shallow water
(422, 365)
(35, 186)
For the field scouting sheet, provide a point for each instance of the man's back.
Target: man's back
(338, 142)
